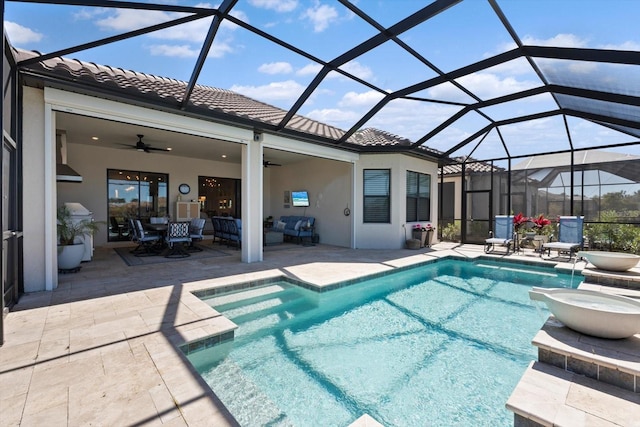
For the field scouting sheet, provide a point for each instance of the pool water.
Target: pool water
(439, 345)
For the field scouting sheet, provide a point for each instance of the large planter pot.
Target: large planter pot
(423, 236)
(70, 256)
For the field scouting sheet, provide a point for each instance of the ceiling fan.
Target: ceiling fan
(141, 146)
(268, 163)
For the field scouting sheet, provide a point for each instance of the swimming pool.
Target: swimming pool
(441, 344)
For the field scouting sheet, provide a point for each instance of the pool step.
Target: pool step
(273, 301)
(287, 308)
(579, 380)
(550, 396)
(251, 406)
(229, 300)
(615, 362)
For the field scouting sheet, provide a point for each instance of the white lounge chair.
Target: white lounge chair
(502, 233)
(570, 238)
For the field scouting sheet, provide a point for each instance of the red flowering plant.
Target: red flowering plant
(426, 227)
(541, 224)
(519, 220)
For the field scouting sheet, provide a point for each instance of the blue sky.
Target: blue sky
(463, 34)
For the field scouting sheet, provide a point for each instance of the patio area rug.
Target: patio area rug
(208, 251)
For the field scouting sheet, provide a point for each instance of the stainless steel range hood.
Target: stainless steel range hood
(64, 172)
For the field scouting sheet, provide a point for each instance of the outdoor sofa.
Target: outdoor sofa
(295, 227)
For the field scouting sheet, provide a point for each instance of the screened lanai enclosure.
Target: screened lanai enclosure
(529, 107)
(602, 186)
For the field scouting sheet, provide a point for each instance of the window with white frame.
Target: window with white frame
(377, 196)
(418, 197)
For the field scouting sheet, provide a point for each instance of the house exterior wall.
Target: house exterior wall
(394, 234)
(34, 184)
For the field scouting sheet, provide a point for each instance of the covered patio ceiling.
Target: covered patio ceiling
(531, 84)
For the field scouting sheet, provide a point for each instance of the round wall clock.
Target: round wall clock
(184, 188)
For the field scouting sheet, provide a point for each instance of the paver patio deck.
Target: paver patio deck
(101, 349)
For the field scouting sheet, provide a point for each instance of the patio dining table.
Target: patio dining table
(161, 229)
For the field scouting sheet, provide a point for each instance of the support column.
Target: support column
(252, 194)
(50, 201)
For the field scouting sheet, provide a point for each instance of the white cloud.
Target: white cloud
(341, 119)
(191, 32)
(321, 16)
(518, 66)
(20, 35)
(130, 19)
(366, 99)
(195, 31)
(220, 48)
(277, 5)
(357, 69)
(560, 40)
(408, 119)
(176, 51)
(276, 68)
(414, 119)
(309, 69)
(487, 85)
(448, 92)
(628, 45)
(86, 14)
(582, 67)
(288, 90)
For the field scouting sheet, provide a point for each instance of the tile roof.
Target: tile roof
(205, 100)
(471, 165)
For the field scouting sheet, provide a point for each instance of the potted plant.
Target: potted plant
(542, 227)
(71, 234)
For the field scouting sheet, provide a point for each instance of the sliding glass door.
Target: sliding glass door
(134, 194)
(219, 196)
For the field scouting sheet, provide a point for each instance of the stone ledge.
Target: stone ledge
(625, 279)
(615, 362)
(550, 396)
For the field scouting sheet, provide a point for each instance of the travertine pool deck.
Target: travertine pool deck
(102, 349)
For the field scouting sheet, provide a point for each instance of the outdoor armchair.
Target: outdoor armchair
(570, 236)
(502, 233)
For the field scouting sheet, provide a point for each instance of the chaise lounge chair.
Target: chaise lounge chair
(570, 238)
(502, 233)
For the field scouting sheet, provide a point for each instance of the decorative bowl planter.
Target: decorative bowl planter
(70, 257)
(591, 312)
(612, 261)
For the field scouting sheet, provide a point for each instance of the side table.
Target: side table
(310, 242)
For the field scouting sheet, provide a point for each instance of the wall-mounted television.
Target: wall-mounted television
(300, 198)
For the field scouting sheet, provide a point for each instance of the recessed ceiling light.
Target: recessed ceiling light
(95, 138)
(224, 156)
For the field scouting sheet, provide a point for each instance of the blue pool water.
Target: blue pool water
(439, 345)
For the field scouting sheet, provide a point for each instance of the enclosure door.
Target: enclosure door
(478, 218)
(11, 235)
